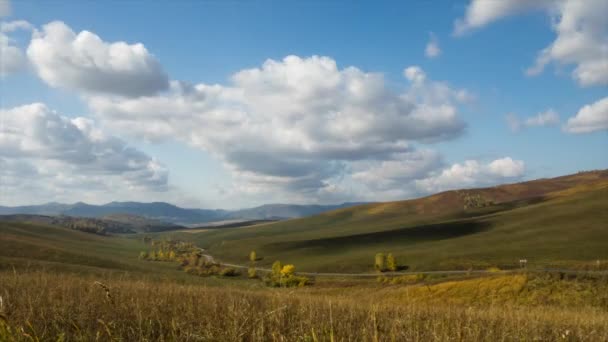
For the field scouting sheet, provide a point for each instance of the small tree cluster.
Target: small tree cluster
(385, 263)
(203, 268)
(284, 276)
(159, 255)
(168, 250)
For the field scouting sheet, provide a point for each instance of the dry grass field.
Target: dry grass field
(42, 306)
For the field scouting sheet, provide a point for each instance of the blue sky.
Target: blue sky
(193, 163)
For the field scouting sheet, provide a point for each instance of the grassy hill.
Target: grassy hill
(38, 246)
(559, 221)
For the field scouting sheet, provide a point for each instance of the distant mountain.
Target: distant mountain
(165, 212)
(282, 211)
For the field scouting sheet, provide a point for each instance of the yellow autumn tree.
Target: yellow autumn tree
(380, 262)
(391, 263)
(288, 270)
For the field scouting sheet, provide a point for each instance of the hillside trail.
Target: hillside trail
(209, 258)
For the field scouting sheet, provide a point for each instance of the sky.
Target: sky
(233, 104)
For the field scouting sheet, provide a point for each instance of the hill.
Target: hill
(558, 220)
(283, 211)
(112, 224)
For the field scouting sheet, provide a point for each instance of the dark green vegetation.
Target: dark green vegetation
(559, 222)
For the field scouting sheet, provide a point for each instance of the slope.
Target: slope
(559, 220)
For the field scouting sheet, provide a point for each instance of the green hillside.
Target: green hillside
(37, 246)
(550, 222)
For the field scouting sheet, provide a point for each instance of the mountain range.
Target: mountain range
(170, 213)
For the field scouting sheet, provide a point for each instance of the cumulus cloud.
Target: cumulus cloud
(473, 173)
(414, 74)
(396, 175)
(432, 48)
(581, 28)
(294, 124)
(542, 119)
(12, 57)
(590, 118)
(85, 63)
(73, 153)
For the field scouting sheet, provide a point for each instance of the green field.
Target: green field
(559, 222)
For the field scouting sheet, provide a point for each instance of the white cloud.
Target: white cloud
(542, 119)
(590, 118)
(396, 174)
(473, 173)
(85, 63)
(432, 48)
(581, 28)
(43, 148)
(293, 125)
(546, 118)
(12, 57)
(414, 74)
(480, 13)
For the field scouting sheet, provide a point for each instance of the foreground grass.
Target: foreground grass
(45, 306)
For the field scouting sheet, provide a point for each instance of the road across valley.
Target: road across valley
(210, 258)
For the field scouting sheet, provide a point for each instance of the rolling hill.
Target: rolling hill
(111, 224)
(562, 220)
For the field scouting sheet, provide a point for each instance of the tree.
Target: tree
(276, 268)
(380, 262)
(391, 263)
(253, 257)
(172, 255)
(252, 273)
(143, 255)
(288, 270)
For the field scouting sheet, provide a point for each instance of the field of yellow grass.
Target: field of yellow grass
(48, 307)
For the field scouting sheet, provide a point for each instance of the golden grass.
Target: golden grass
(44, 306)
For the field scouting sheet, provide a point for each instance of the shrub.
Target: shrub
(252, 273)
(287, 270)
(284, 276)
(229, 272)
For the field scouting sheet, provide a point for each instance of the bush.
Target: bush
(284, 276)
(229, 272)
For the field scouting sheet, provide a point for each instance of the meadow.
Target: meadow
(43, 306)
(58, 284)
